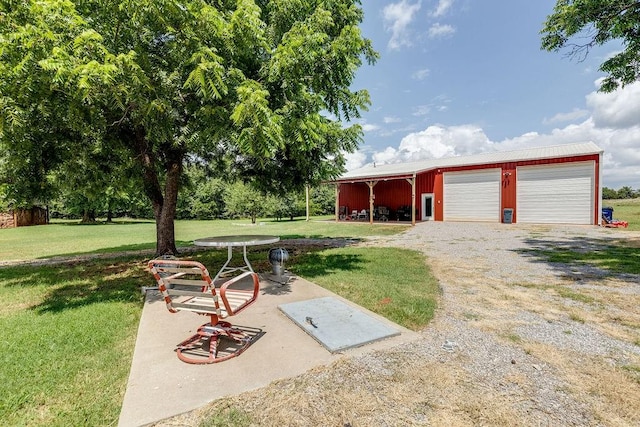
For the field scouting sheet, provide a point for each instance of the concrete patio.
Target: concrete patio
(161, 386)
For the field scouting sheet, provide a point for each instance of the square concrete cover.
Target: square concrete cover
(335, 324)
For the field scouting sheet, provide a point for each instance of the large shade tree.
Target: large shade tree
(257, 88)
(579, 25)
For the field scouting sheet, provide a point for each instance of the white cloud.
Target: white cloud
(619, 109)
(613, 124)
(397, 17)
(438, 141)
(571, 116)
(621, 146)
(369, 127)
(438, 30)
(442, 7)
(421, 110)
(389, 155)
(389, 120)
(355, 160)
(420, 74)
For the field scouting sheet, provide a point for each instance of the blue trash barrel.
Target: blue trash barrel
(607, 213)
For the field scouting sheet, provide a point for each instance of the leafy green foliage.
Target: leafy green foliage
(244, 85)
(242, 201)
(598, 22)
(323, 199)
(625, 192)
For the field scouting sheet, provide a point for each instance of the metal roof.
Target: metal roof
(399, 170)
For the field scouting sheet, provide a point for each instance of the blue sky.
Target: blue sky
(458, 77)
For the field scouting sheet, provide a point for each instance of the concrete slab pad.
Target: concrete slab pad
(161, 386)
(335, 324)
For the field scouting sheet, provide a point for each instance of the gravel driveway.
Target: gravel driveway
(517, 340)
(528, 354)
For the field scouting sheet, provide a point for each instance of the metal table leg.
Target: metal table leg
(226, 269)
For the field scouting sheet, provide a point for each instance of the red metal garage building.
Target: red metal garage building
(559, 184)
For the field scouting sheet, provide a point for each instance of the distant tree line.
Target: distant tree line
(202, 197)
(623, 193)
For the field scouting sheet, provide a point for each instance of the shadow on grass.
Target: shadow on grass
(102, 251)
(137, 247)
(581, 257)
(72, 284)
(291, 239)
(78, 284)
(70, 222)
(312, 265)
(321, 238)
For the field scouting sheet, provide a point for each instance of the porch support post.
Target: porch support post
(412, 181)
(337, 207)
(372, 197)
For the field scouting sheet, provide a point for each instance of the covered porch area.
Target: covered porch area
(383, 199)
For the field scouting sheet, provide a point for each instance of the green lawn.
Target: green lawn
(66, 238)
(626, 210)
(68, 330)
(394, 283)
(68, 333)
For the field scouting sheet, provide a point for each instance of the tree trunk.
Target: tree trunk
(88, 216)
(164, 205)
(165, 234)
(166, 213)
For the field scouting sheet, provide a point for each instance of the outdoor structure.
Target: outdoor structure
(24, 217)
(558, 185)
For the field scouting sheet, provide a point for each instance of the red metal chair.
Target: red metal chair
(187, 285)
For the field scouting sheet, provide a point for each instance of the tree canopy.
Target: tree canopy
(579, 25)
(258, 89)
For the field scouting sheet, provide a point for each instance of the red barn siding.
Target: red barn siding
(509, 189)
(354, 196)
(438, 190)
(395, 192)
(425, 183)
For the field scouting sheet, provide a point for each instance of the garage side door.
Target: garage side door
(472, 196)
(556, 194)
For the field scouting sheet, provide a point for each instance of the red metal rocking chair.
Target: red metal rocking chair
(187, 285)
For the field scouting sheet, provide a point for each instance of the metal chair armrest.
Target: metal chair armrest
(252, 294)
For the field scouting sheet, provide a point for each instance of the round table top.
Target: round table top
(239, 240)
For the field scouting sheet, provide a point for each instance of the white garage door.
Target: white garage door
(556, 194)
(472, 196)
